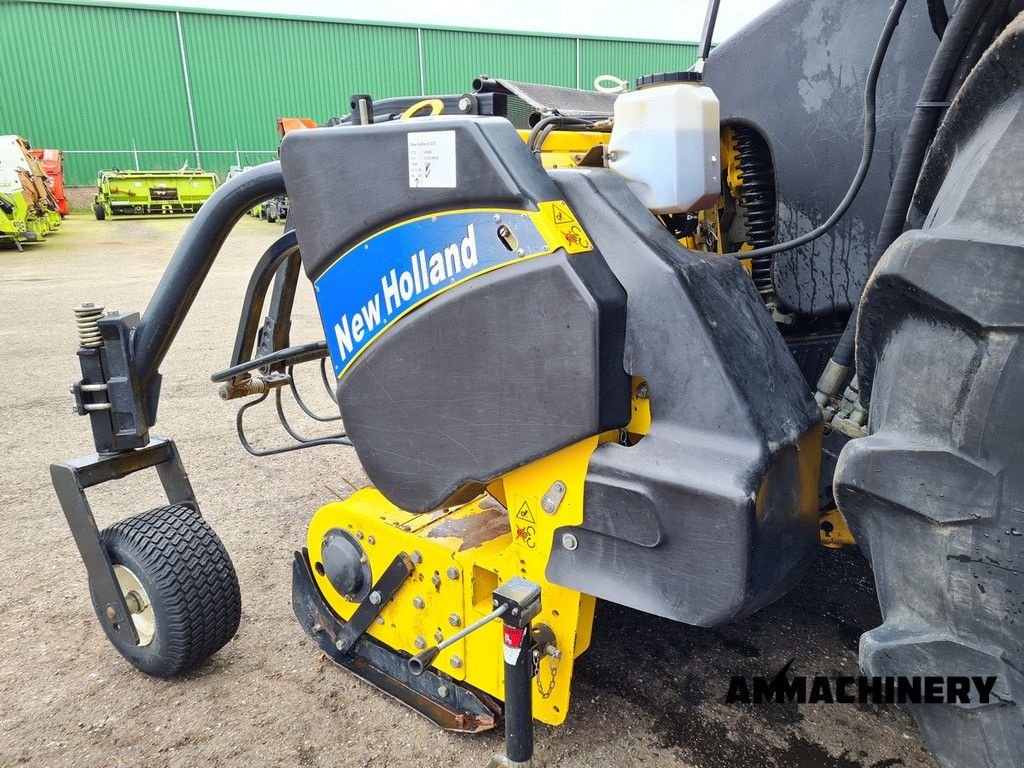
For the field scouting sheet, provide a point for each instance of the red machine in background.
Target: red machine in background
(52, 161)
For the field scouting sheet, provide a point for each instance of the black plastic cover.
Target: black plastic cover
(714, 512)
(347, 182)
(490, 374)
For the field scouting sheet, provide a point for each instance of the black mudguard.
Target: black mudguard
(797, 75)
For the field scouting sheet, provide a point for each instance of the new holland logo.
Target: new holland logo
(372, 285)
(402, 288)
(860, 690)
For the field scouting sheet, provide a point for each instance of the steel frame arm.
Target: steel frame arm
(191, 263)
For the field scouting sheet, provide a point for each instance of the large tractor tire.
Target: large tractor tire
(935, 492)
(180, 586)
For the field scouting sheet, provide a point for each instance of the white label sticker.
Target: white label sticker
(432, 159)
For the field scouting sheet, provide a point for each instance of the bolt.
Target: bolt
(416, 557)
(495, 602)
(417, 602)
(375, 598)
(569, 541)
(453, 573)
(111, 613)
(454, 620)
(134, 602)
(436, 580)
(370, 540)
(340, 645)
(442, 691)
(438, 637)
(520, 252)
(420, 642)
(613, 156)
(380, 620)
(359, 535)
(515, 611)
(465, 104)
(316, 629)
(643, 391)
(497, 218)
(456, 662)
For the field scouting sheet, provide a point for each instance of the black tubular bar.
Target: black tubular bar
(192, 260)
(300, 353)
(270, 264)
(704, 48)
(281, 302)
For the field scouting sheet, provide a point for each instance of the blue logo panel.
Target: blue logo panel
(387, 275)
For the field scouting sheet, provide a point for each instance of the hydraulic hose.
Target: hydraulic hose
(192, 260)
(930, 108)
(868, 148)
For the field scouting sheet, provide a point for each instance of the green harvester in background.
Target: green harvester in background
(28, 210)
(152, 193)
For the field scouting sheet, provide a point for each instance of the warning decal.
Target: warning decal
(524, 513)
(560, 214)
(563, 227)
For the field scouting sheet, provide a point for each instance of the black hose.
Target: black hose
(551, 121)
(192, 261)
(870, 95)
(927, 113)
(939, 16)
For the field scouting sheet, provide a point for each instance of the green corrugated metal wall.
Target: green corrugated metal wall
(114, 85)
(453, 58)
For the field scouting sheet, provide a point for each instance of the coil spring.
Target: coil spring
(87, 318)
(757, 193)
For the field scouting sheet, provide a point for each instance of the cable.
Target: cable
(870, 94)
(936, 88)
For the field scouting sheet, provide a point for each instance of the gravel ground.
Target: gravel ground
(648, 693)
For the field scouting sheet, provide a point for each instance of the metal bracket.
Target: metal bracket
(387, 587)
(73, 477)
(444, 701)
(110, 393)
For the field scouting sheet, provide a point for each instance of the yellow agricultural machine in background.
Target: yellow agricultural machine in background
(653, 348)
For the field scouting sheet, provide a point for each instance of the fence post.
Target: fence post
(188, 89)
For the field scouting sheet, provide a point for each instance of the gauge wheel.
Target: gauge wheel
(180, 587)
(99, 211)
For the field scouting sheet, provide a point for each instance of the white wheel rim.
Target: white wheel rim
(144, 619)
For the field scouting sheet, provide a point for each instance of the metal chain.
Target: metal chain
(545, 693)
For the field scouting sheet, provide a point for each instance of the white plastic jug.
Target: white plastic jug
(665, 143)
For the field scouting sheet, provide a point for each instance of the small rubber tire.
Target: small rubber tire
(191, 584)
(100, 211)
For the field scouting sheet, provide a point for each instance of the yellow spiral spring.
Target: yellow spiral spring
(87, 317)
